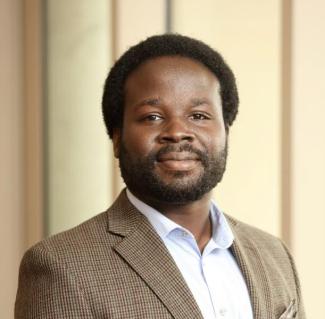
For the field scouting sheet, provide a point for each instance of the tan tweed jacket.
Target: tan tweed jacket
(116, 266)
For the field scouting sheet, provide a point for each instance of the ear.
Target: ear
(116, 142)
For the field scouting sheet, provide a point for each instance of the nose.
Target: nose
(176, 131)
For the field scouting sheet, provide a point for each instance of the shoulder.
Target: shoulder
(56, 267)
(256, 236)
(87, 229)
(270, 249)
(92, 241)
(89, 244)
(72, 246)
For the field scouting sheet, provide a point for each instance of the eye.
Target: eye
(199, 116)
(153, 117)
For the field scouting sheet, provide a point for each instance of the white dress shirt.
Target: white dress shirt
(213, 277)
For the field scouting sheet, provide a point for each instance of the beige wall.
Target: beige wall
(78, 157)
(12, 232)
(308, 166)
(132, 27)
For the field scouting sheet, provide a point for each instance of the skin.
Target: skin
(174, 100)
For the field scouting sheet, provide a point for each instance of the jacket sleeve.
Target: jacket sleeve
(46, 289)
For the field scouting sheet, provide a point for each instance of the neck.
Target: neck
(193, 216)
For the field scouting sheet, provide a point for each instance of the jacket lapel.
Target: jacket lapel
(146, 254)
(249, 259)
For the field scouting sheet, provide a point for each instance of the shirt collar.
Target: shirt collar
(221, 232)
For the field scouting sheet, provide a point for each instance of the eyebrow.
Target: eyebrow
(150, 101)
(199, 101)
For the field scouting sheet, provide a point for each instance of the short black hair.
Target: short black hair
(166, 45)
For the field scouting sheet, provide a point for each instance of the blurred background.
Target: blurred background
(56, 163)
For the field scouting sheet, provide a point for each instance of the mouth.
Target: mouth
(178, 161)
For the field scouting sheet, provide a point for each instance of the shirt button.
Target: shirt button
(223, 312)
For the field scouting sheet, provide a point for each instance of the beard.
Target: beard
(141, 178)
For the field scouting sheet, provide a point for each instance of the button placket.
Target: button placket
(223, 312)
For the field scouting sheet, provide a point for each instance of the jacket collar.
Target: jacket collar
(146, 254)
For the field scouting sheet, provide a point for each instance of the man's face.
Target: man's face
(173, 144)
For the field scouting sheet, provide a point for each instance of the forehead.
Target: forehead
(171, 68)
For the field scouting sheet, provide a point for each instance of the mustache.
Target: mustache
(202, 156)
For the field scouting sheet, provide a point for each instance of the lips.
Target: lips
(178, 156)
(178, 161)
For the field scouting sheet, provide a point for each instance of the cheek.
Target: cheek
(215, 139)
(136, 138)
(138, 142)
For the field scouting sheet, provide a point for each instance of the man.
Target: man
(163, 249)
